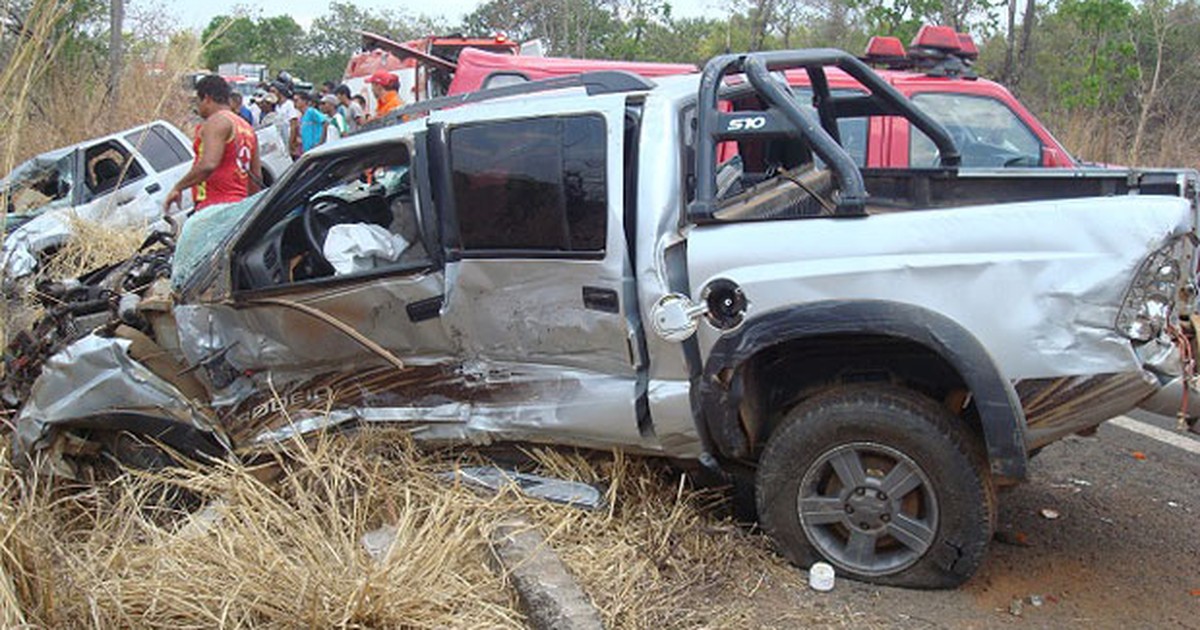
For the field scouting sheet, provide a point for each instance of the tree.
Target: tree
(571, 28)
(335, 36)
(116, 50)
(275, 41)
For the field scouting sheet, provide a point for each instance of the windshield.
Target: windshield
(203, 234)
(37, 185)
(987, 132)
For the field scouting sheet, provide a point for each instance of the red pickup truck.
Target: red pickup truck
(991, 128)
(989, 125)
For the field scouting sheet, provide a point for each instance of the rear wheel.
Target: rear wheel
(881, 482)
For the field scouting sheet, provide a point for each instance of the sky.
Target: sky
(197, 14)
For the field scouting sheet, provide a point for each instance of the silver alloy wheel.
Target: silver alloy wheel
(868, 508)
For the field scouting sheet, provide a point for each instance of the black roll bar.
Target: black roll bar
(883, 100)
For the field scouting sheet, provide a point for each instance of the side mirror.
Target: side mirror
(1052, 157)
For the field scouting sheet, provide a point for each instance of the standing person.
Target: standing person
(386, 87)
(268, 116)
(255, 108)
(361, 101)
(226, 167)
(287, 111)
(337, 123)
(313, 123)
(327, 88)
(351, 110)
(238, 106)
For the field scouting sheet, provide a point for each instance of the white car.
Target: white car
(119, 180)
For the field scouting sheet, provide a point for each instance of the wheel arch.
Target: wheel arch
(941, 341)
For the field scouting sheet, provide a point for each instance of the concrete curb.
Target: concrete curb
(549, 595)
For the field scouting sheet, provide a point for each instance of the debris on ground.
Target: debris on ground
(1016, 539)
(1138, 455)
(1050, 514)
(1016, 607)
(549, 595)
(821, 577)
(1036, 601)
(535, 486)
(377, 542)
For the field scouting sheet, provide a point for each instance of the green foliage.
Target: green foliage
(574, 28)
(335, 35)
(275, 41)
(1093, 52)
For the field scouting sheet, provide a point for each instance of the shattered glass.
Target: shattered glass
(204, 233)
(35, 186)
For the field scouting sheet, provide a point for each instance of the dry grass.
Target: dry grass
(288, 553)
(1107, 139)
(92, 245)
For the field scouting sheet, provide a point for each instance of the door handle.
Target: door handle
(603, 300)
(153, 188)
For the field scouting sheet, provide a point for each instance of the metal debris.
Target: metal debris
(1050, 513)
(561, 491)
(377, 542)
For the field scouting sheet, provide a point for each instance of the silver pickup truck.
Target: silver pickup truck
(567, 262)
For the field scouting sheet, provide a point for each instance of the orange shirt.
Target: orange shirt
(389, 101)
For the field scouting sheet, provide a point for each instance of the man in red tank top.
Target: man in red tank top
(227, 166)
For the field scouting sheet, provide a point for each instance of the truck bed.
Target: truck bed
(893, 190)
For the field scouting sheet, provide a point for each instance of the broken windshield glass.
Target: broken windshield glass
(35, 186)
(203, 234)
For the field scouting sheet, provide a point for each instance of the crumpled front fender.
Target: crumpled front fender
(95, 383)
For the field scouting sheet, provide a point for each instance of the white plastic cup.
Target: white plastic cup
(820, 576)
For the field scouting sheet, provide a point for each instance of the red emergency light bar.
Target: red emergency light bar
(966, 47)
(941, 38)
(885, 48)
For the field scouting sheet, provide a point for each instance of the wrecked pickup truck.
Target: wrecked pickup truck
(567, 262)
(119, 180)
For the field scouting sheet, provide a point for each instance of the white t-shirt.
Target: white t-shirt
(287, 113)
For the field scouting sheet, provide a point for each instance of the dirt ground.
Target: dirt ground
(1123, 552)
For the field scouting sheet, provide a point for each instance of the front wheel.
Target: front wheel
(883, 483)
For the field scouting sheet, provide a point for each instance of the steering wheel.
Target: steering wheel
(321, 265)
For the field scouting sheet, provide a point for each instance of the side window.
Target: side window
(853, 131)
(104, 164)
(348, 213)
(161, 148)
(987, 132)
(530, 186)
(501, 79)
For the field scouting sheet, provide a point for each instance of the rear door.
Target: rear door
(538, 283)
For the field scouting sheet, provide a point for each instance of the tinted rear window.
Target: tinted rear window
(531, 185)
(161, 148)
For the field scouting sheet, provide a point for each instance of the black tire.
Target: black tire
(933, 534)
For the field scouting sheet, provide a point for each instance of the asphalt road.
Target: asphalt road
(1106, 534)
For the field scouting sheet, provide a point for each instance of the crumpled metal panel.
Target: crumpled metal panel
(1039, 284)
(472, 402)
(1057, 407)
(531, 311)
(292, 345)
(92, 377)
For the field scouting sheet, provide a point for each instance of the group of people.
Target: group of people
(227, 168)
(306, 119)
